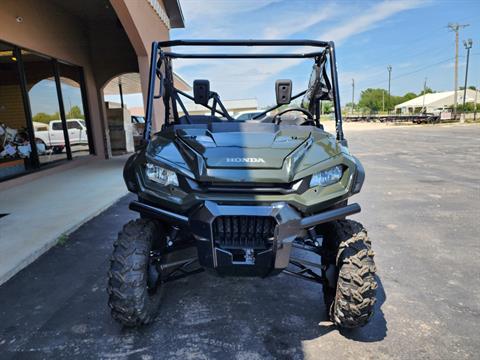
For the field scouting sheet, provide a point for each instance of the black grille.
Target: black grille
(239, 232)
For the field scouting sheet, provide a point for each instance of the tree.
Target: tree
(55, 116)
(469, 107)
(372, 99)
(327, 107)
(426, 91)
(409, 96)
(75, 113)
(42, 117)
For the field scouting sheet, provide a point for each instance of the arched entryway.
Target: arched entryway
(124, 109)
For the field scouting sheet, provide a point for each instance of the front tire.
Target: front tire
(133, 298)
(351, 305)
(57, 149)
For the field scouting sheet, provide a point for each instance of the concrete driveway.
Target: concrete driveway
(421, 206)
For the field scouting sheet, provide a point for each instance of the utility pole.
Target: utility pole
(468, 45)
(455, 27)
(389, 68)
(424, 94)
(475, 105)
(353, 94)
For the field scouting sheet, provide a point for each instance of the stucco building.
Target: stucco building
(436, 102)
(56, 59)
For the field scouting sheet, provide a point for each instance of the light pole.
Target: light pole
(475, 105)
(353, 94)
(468, 45)
(424, 95)
(389, 68)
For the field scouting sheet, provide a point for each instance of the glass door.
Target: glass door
(73, 102)
(43, 112)
(50, 133)
(15, 145)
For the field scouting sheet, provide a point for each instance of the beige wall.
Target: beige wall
(143, 26)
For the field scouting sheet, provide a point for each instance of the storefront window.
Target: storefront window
(15, 149)
(47, 123)
(70, 79)
(42, 104)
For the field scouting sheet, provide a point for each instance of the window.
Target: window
(42, 111)
(15, 141)
(70, 79)
(42, 92)
(74, 125)
(57, 126)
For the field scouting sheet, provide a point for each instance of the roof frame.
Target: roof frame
(160, 55)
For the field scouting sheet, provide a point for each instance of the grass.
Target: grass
(62, 240)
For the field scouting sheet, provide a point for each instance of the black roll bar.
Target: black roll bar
(336, 94)
(150, 94)
(207, 106)
(158, 55)
(242, 56)
(239, 42)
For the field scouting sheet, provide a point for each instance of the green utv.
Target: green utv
(237, 197)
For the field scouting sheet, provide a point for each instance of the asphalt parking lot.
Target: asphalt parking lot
(421, 205)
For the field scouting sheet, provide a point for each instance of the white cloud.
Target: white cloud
(201, 9)
(297, 22)
(369, 18)
(232, 19)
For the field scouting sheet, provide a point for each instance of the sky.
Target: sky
(410, 35)
(43, 97)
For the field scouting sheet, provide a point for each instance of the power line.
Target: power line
(353, 94)
(413, 72)
(425, 37)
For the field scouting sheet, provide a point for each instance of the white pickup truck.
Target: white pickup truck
(51, 134)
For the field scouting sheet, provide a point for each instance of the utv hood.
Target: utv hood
(243, 149)
(245, 146)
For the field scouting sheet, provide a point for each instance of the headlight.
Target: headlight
(160, 175)
(327, 177)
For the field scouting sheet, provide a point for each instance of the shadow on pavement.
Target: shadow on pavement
(57, 307)
(376, 329)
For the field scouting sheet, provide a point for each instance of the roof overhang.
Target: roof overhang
(175, 14)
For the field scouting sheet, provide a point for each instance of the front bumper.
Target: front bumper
(289, 225)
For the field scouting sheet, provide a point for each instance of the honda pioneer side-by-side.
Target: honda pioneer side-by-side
(243, 198)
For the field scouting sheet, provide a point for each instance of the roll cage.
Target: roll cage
(320, 86)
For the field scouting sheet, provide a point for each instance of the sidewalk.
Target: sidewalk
(42, 210)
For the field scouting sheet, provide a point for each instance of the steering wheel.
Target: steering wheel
(277, 119)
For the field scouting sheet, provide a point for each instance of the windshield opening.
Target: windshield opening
(184, 108)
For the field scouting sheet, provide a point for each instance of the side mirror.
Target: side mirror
(283, 91)
(201, 91)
